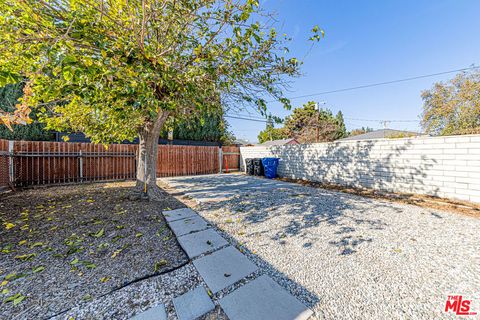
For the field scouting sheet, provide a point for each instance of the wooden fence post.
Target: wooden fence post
(220, 159)
(80, 165)
(11, 171)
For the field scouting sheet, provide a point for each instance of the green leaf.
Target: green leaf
(36, 244)
(69, 59)
(10, 276)
(38, 269)
(89, 265)
(26, 257)
(68, 75)
(98, 234)
(18, 300)
(159, 264)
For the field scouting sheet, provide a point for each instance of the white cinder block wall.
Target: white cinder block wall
(447, 167)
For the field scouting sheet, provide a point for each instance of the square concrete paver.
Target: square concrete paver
(179, 214)
(263, 299)
(188, 225)
(223, 268)
(155, 313)
(201, 242)
(193, 304)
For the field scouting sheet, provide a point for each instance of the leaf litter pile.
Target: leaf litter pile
(60, 246)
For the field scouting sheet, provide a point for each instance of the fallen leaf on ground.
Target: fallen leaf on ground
(159, 264)
(8, 225)
(98, 234)
(25, 257)
(38, 269)
(16, 298)
(115, 253)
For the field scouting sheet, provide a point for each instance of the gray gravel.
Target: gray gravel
(342, 255)
(138, 297)
(77, 243)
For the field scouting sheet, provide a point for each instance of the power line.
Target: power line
(381, 120)
(249, 116)
(242, 118)
(381, 83)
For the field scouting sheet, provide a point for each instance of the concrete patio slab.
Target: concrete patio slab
(155, 313)
(263, 299)
(188, 225)
(201, 242)
(179, 214)
(193, 304)
(223, 268)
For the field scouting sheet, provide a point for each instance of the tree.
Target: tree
(453, 107)
(341, 128)
(307, 124)
(362, 130)
(203, 126)
(9, 96)
(118, 69)
(12, 113)
(271, 133)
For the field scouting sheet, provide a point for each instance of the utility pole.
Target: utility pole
(385, 123)
(317, 109)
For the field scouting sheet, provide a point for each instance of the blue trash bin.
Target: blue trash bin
(270, 166)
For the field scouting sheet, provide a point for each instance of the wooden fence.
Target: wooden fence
(4, 174)
(26, 163)
(231, 159)
(186, 160)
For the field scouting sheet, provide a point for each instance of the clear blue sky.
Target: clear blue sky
(373, 41)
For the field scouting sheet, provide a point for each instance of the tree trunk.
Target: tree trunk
(147, 158)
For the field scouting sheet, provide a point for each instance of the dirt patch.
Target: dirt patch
(63, 245)
(462, 207)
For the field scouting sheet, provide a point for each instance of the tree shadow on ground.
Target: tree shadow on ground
(302, 208)
(70, 244)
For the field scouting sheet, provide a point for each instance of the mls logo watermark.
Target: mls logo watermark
(459, 306)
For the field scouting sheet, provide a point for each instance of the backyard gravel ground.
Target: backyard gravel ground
(138, 297)
(61, 246)
(344, 256)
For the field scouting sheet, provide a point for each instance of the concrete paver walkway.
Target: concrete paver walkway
(249, 301)
(260, 298)
(201, 242)
(155, 313)
(223, 268)
(193, 304)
